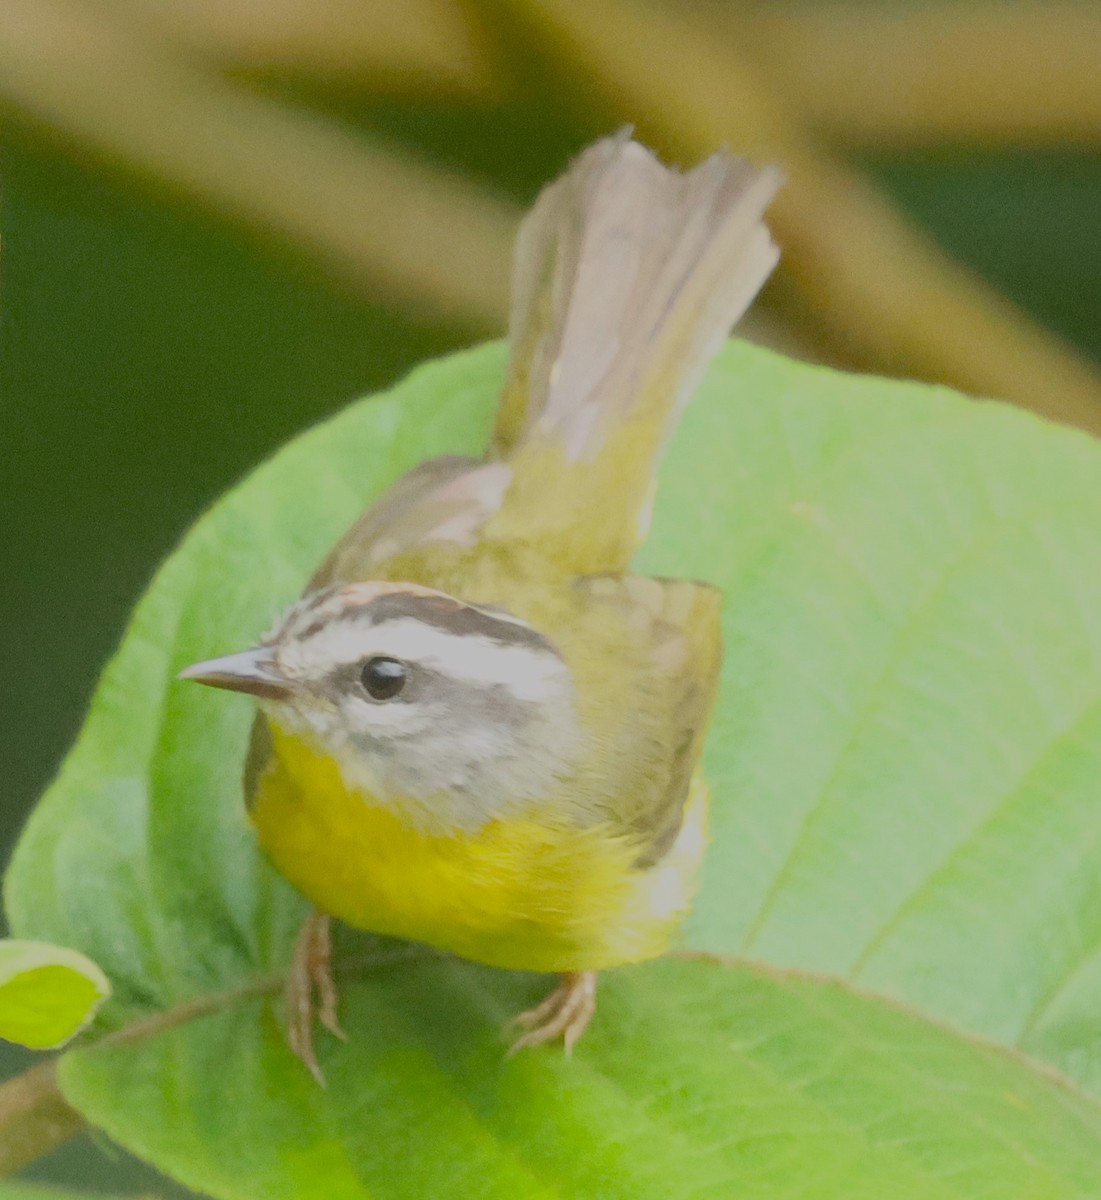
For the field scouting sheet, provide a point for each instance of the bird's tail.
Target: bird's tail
(627, 278)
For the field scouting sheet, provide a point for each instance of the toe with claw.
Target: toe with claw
(565, 1013)
(311, 992)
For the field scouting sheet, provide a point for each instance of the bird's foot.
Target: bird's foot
(310, 976)
(565, 1013)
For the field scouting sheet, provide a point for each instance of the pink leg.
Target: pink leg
(565, 1013)
(310, 971)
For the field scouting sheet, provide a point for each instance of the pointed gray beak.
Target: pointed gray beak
(251, 671)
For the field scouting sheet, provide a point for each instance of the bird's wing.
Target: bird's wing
(444, 500)
(679, 625)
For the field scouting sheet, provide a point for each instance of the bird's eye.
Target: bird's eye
(383, 678)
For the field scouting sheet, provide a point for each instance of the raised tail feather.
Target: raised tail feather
(627, 278)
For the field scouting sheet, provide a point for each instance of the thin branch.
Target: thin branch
(409, 231)
(412, 48)
(34, 1118)
(1016, 74)
(881, 292)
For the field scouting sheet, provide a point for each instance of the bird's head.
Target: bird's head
(451, 713)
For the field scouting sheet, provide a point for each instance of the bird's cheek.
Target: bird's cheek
(395, 720)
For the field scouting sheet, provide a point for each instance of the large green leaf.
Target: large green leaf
(700, 1080)
(903, 766)
(907, 751)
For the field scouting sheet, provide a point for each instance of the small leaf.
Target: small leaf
(47, 993)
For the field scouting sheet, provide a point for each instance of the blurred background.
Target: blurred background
(223, 219)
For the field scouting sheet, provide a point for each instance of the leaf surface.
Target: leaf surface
(701, 1080)
(904, 762)
(907, 750)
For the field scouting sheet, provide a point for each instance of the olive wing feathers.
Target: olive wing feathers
(679, 624)
(444, 500)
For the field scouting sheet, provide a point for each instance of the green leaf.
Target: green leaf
(47, 993)
(700, 1080)
(905, 769)
(907, 749)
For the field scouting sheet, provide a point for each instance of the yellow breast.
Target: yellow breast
(523, 892)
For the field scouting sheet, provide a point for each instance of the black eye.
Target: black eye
(383, 678)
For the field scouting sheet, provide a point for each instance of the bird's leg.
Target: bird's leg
(565, 1013)
(310, 971)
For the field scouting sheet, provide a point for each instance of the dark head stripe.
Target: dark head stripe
(454, 617)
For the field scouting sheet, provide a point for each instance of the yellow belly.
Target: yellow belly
(520, 893)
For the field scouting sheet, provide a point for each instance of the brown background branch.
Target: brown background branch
(415, 47)
(872, 284)
(391, 223)
(999, 74)
(34, 1118)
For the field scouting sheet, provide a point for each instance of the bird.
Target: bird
(478, 729)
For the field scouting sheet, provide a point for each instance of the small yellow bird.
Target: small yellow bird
(478, 730)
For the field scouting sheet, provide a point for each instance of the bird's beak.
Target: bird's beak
(253, 671)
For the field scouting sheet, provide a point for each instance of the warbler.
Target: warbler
(478, 730)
